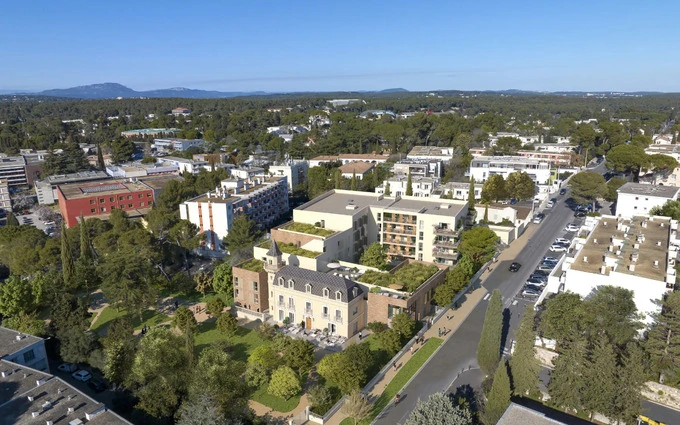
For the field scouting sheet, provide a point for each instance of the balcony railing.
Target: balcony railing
(282, 304)
(444, 231)
(337, 319)
(324, 316)
(291, 306)
(445, 254)
(447, 244)
(308, 311)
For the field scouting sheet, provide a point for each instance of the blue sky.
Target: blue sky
(295, 45)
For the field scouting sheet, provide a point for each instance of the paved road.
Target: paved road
(458, 354)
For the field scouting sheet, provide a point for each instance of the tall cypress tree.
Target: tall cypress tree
(12, 220)
(601, 381)
(489, 348)
(409, 184)
(631, 378)
(388, 192)
(353, 184)
(471, 194)
(375, 177)
(338, 179)
(523, 364)
(100, 158)
(486, 212)
(568, 380)
(85, 248)
(67, 263)
(498, 399)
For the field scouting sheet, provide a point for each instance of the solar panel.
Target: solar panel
(102, 188)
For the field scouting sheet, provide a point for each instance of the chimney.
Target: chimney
(585, 259)
(603, 269)
(70, 410)
(631, 267)
(658, 243)
(31, 398)
(595, 241)
(35, 414)
(656, 264)
(618, 252)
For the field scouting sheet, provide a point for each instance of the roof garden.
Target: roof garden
(407, 278)
(253, 265)
(292, 249)
(308, 229)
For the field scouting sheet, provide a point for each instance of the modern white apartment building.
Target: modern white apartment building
(482, 167)
(419, 167)
(263, 200)
(187, 165)
(178, 145)
(294, 170)
(422, 186)
(637, 199)
(345, 158)
(457, 190)
(431, 152)
(638, 254)
(13, 170)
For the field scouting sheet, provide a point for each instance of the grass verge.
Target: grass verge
(273, 402)
(400, 379)
(150, 318)
(244, 342)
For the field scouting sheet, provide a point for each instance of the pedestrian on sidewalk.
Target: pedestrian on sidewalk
(394, 365)
(439, 331)
(411, 349)
(360, 336)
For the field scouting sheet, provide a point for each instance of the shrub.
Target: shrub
(215, 306)
(284, 383)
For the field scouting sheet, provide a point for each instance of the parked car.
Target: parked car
(530, 293)
(536, 276)
(82, 375)
(562, 240)
(514, 267)
(571, 227)
(68, 367)
(97, 385)
(548, 258)
(550, 204)
(539, 218)
(537, 282)
(580, 214)
(563, 191)
(558, 248)
(548, 264)
(513, 201)
(545, 273)
(544, 268)
(534, 288)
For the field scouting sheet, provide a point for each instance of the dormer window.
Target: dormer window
(355, 291)
(291, 284)
(308, 288)
(338, 295)
(281, 281)
(326, 292)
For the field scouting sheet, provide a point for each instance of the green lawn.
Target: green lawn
(194, 296)
(151, 318)
(273, 402)
(400, 379)
(244, 342)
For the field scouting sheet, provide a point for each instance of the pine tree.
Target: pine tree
(100, 158)
(471, 194)
(67, 264)
(663, 341)
(631, 379)
(353, 184)
(489, 348)
(409, 184)
(85, 246)
(568, 380)
(388, 192)
(338, 179)
(498, 399)
(600, 378)
(375, 177)
(523, 364)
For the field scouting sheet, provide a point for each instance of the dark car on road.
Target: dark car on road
(541, 273)
(579, 214)
(563, 191)
(96, 385)
(514, 267)
(536, 276)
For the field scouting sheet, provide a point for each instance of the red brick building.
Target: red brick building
(99, 199)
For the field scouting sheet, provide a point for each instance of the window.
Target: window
(326, 292)
(92, 210)
(103, 209)
(129, 196)
(28, 356)
(271, 294)
(420, 246)
(256, 298)
(113, 207)
(291, 302)
(421, 224)
(308, 288)
(235, 281)
(111, 199)
(379, 216)
(141, 204)
(129, 205)
(92, 201)
(291, 316)
(281, 303)
(356, 310)
(281, 281)
(236, 293)
(338, 315)
(254, 286)
(420, 257)
(420, 236)
(291, 284)
(308, 307)
(338, 296)
(140, 196)
(148, 195)
(121, 198)
(101, 200)
(280, 315)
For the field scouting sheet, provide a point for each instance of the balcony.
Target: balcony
(291, 307)
(445, 243)
(445, 231)
(282, 304)
(325, 316)
(308, 312)
(337, 319)
(445, 254)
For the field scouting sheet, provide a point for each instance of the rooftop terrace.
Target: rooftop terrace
(308, 229)
(105, 188)
(619, 244)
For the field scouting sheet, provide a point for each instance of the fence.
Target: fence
(249, 314)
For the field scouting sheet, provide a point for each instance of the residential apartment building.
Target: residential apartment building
(419, 167)
(98, 199)
(638, 254)
(422, 186)
(348, 157)
(35, 397)
(358, 169)
(150, 132)
(46, 189)
(5, 200)
(23, 349)
(637, 199)
(181, 111)
(295, 171)
(431, 153)
(178, 145)
(13, 170)
(422, 229)
(457, 190)
(554, 158)
(482, 167)
(132, 170)
(263, 200)
(247, 173)
(187, 165)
